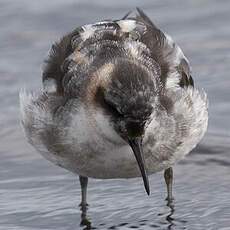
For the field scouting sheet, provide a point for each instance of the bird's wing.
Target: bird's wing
(71, 57)
(53, 72)
(175, 69)
(68, 59)
(85, 49)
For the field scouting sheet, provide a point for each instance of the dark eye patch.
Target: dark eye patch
(135, 129)
(109, 107)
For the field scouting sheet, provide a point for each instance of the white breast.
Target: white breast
(88, 145)
(99, 147)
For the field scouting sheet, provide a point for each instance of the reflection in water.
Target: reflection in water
(85, 222)
(169, 217)
(169, 222)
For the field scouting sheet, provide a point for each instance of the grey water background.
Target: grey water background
(34, 194)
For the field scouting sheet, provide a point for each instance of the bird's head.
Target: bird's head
(129, 93)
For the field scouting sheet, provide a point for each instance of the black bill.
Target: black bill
(136, 145)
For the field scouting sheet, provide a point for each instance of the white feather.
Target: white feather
(173, 80)
(88, 31)
(127, 25)
(50, 85)
(198, 115)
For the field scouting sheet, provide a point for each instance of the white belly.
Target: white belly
(94, 149)
(89, 146)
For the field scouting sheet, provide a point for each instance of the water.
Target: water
(34, 194)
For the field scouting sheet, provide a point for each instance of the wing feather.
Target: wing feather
(53, 71)
(175, 69)
(166, 52)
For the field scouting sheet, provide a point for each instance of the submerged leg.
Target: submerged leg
(168, 174)
(83, 204)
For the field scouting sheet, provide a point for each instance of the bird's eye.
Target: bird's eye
(135, 129)
(106, 104)
(112, 108)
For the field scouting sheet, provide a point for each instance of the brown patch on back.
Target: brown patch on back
(99, 79)
(80, 58)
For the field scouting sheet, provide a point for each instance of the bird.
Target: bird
(118, 101)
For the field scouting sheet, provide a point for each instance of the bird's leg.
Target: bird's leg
(168, 174)
(84, 183)
(83, 204)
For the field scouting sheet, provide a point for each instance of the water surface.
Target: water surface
(34, 194)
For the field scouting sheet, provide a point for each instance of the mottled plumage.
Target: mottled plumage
(109, 82)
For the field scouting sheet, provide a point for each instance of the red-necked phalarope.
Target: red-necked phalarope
(118, 101)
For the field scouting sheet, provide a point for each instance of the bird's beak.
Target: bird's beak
(136, 145)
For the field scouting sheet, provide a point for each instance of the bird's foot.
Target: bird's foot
(84, 219)
(85, 222)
